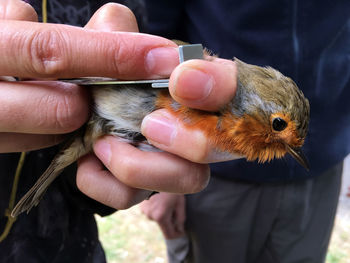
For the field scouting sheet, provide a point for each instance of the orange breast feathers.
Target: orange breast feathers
(241, 135)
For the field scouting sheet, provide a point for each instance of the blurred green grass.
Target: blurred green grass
(339, 248)
(128, 236)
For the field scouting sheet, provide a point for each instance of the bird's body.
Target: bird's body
(267, 118)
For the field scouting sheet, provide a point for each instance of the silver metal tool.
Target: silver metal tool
(186, 52)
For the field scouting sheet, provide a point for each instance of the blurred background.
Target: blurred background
(128, 236)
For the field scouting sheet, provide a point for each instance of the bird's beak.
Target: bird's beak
(299, 156)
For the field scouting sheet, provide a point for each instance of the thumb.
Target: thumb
(17, 10)
(113, 17)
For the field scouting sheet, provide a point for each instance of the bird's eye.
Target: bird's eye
(279, 124)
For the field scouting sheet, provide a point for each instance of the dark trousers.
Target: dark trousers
(235, 222)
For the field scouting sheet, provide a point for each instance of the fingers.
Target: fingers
(205, 85)
(21, 112)
(200, 84)
(139, 169)
(17, 10)
(42, 107)
(169, 133)
(180, 214)
(99, 184)
(113, 17)
(167, 228)
(168, 210)
(129, 167)
(58, 51)
(172, 221)
(19, 142)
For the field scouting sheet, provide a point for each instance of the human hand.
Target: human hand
(17, 10)
(168, 210)
(132, 169)
(199, 84)
(35, 114)
(13, 109)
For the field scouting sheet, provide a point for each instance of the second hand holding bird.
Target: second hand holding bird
(267, 118)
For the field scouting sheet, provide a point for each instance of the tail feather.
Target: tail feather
(72, 151)
(35, 194)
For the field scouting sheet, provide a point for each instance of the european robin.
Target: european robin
(267, 118)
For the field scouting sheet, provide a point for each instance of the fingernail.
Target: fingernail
(102, 149)
(193, 84)
(158, 128)
(161, 61)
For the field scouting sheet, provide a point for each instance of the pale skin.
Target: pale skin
(36, 115)
(168, 210)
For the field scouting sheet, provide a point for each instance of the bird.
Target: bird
(267, 118)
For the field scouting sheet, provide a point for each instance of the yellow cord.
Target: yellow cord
(44, 10)
(10, 219)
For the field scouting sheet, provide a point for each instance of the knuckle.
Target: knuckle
(197, 179)
(120, 9)
(124, 206)
(229, 78)
(202, 145)
(47, 51)
(123, 64)
(71, 111)
(85, 180)
(200, 157)
(63, 114)
(127, 201)
(80, 181)
(126, 11)
(126, 14)
(128, 169)
(63, 109)
(28, 13)
(17, 10)
(158, 216)
(87, 185)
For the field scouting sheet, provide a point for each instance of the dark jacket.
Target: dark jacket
(308, 41)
